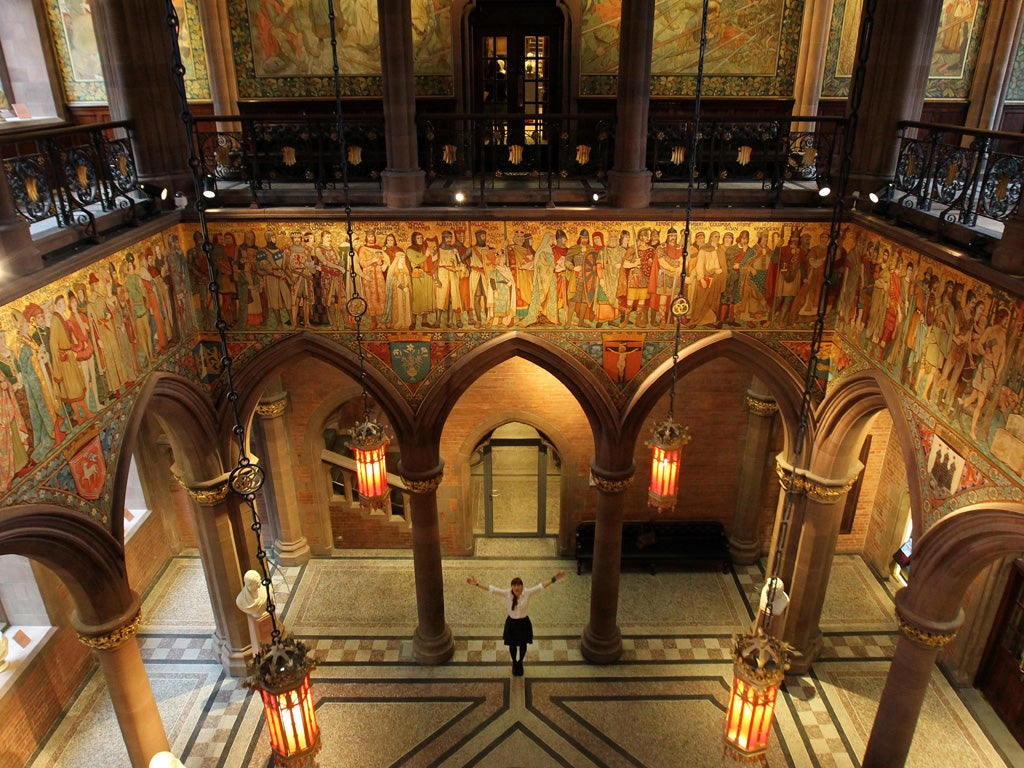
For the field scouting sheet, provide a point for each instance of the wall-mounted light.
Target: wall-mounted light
(154, 191)
(460, 197)
(209, 187)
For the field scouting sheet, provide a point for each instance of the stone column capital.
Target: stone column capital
(761, 405)
(823, 490)
(924, 630)
(112, 638)
(612, 480)
(422, 482)
(273, 406)
(206, 493)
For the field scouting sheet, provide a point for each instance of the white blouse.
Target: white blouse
(524, 599)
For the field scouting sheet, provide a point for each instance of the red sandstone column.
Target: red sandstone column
(220, 58)
(432, 643)
(630, 180)
(602, 640)
(117, 651)
(218, 526)
(745, 534)
(18, 255)
(135, 51)
(813, 564)
(403, 179)
(905, 687)
(894, 85)
(291, 546)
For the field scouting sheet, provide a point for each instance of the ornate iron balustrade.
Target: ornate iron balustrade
(66, 174)
(267, 151)
(475, 152)
(764, 152)
(964, 173)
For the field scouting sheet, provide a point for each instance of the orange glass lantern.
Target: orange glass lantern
(369, 445)
(760, 662)
(666, 445)
(280, 672)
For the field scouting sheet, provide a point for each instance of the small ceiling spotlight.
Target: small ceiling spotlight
(874, 198)
(209, 187)
(460, 197)
(154, 191)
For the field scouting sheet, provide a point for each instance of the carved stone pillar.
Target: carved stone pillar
(894, 85)
(291, 545)
(812, 566)
(135, 52)
(433, 642)
(810, 66)
(602, 639)
(18, 255)
(403, 179)
(630, 180)
(996, 54)
(745, 535)
(117, 651)
(920, 641)
(220, 58)
(220, 531)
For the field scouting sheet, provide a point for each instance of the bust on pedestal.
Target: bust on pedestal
(252, 601)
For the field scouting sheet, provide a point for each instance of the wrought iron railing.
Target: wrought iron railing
(71, 174)
(958, 173)
(474, 152)
(763, 152)
(264, 152)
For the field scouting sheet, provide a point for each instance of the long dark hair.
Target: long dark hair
(515, 597)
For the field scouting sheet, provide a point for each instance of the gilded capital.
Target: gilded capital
(114, 638)
(213, 492)
(923, 636)
(760, 406)
(423, 486)
(820, 489)
(271, 409)
(609, 483)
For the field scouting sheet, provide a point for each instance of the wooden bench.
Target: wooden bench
(699, 543)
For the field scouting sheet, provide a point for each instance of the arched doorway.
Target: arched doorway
(517, 483)
(517, 50)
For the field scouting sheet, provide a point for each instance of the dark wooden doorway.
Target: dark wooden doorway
(517, 70)
(1001, 676)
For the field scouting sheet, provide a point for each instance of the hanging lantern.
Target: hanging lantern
(760, 662)
(280, 672)
(666, 445)
(369, 443)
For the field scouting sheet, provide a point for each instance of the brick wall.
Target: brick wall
(869, 519)
(48, 682)
(147, 552)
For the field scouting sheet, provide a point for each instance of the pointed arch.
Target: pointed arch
(785, 385)
(955, 550)
(84, 555)
(843, 418)
(597, 405)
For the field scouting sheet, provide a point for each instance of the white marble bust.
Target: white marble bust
(253, 598)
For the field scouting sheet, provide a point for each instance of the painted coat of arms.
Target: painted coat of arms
(410, 360)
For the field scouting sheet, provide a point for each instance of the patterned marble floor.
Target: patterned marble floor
(661, 705)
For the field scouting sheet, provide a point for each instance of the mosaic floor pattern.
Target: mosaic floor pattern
(661, 705)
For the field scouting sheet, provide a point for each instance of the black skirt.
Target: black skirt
(518, 631)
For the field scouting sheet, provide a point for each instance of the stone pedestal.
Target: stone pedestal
(260, 630)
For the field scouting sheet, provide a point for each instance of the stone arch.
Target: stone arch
(778, 376)
(953, 552)
(597, 405)
(844, 416)
(460, 464)
(251, 379)
(81, 552)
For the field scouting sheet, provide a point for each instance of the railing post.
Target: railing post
(18, 255)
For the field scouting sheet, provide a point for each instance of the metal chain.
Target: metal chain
(246, 479)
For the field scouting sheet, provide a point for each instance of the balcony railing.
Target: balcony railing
(69, 175)
(957, 174)
(271, 155)
(489, 156)
(761, 155)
